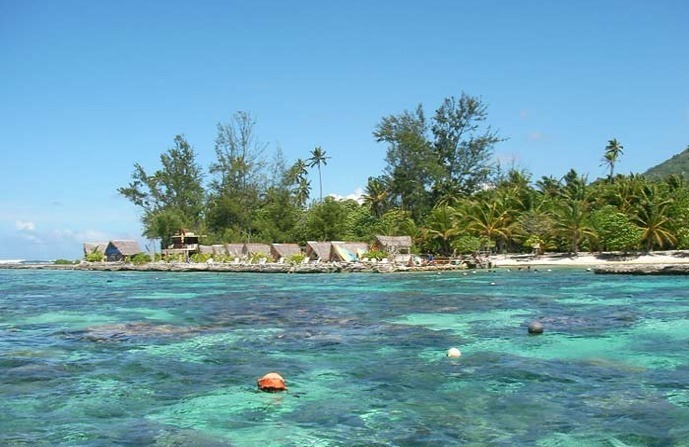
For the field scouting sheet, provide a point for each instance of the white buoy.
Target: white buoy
(454, 353)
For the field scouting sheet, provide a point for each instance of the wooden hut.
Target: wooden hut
(235, 251)
(95, 247)
(319, 251)
(121, 250)
(205, 249)
(257, 251)
(219, 250)
(348, 251)
(358, 248)
(283, 252)
(395, 244)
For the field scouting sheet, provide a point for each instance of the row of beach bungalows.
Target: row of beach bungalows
(398, 248)
(331, 251)
(113, 251)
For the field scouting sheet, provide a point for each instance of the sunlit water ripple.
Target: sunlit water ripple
(139, 359)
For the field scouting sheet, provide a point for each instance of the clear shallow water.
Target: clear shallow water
(139, 359)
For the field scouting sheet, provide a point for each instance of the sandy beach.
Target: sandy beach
(590, 259)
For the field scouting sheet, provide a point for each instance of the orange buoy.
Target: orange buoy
(272, 382)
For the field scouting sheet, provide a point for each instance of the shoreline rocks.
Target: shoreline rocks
(642, 269)
(326, 267)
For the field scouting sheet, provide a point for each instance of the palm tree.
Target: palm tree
(571, 222)
(318, 158)
(489, 219)
(302, 192)
(625, 193)
(653, 217)
(376, 197)
(297, 171)
(441, 227)
(297, 176)
(612, 153)
(549, 186)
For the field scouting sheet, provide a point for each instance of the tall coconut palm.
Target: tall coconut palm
(440, 228)
(653, 217)
(297, 176)
(612, 153)
(302, 192)
(572, 222)
(318, 158)
(377, 195)
(491, 220)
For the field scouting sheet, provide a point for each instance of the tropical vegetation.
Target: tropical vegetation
(439, 185)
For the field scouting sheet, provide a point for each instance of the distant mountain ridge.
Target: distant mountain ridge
(677, 164)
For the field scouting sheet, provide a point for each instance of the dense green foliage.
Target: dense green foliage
(677, 165)
(428, 162)
(172, 197)
(141, 258)
(95, 256)
(439, 186)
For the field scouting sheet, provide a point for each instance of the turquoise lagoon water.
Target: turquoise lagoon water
(151, 359)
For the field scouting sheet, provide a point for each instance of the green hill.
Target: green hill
(678, 164)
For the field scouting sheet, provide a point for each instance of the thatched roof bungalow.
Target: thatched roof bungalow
(235, 250)
(284, 251)
(395, 244)
(95, 247)
(319, 251)
(219, 249)
(257, 249)
(348, 251)
(206, 249)
(358, 248)
(121, 250)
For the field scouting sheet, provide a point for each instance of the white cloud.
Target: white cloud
(357, 196)
(23, 225)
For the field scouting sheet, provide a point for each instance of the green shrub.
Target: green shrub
(375, 254)
(467, 244)
(64, 262)
(200, 257)
(222, 258)
(140, 258)
(297, 258)
(175, 258)
(95, 256)
(255, 257)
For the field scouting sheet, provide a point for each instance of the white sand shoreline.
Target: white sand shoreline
(589, 259)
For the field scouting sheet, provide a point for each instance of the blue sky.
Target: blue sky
(88, 88)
